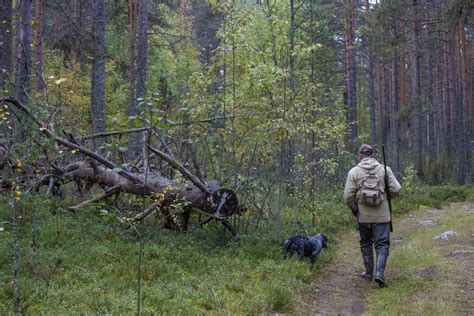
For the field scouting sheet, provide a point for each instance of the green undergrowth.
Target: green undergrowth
(87, 263)
(415, 196)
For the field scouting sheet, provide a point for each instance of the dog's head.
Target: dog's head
(323, 240)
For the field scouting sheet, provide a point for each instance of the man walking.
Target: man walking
(365, 193)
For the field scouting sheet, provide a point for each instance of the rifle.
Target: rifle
(387, 190)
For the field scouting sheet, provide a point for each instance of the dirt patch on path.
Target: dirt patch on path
(338, 289)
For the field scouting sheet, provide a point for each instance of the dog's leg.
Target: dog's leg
(314, 255)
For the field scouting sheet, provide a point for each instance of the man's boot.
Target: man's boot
(368, 258)
(366, 248)
(379, 277)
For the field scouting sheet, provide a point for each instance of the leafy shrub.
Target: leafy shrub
(448, 193)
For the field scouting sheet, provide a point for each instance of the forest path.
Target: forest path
(417, 261)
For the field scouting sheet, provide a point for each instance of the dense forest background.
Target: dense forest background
(268, 90)
(269, 98)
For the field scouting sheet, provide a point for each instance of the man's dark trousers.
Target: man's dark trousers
(375, 235)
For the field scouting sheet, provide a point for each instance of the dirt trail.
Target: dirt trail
(338, 289)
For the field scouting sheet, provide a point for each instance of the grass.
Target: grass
(428, 280)
(87, 263)
(84, 265)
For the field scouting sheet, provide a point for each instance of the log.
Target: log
(209, 198)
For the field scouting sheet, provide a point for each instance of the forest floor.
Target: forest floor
(424, 275)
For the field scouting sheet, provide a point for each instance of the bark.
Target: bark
(416, 99)
(17, 51)
(136, 140)
(440, 128)
(370, 82)
(471, 105)
(23, 81)
(292, 47)
(458, 108)
(394, 110)
(74, 26)
(98, 68)
(447, 97)
(384, 94)
(403, 104)
(40, 83)
(465, 88)
(350, 69)
(133, 47)
(431, 143)
(5, 46)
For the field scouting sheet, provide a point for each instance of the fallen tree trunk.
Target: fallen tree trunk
(209, 198)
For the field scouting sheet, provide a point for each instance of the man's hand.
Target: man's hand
(355, 209)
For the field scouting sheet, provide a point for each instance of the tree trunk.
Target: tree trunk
(466, 99)
(394, 108)
(351, 75)
(457, 114)
(75, 25)
(383, 100)
(404, 124)
(40, 83)
(370, 82)
(136, 141)
(416, 98)
(471, 108)
(17, 51)
(98, 68)
(23, 81)
(292, 48)
(447, 97)
(209, 198)
(6, 65)
(133, 46)
(431, 143)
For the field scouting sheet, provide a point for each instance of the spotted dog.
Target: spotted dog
(304, 246)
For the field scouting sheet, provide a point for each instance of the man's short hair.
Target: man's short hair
(366, 150)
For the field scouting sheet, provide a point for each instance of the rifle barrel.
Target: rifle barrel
(387, 189)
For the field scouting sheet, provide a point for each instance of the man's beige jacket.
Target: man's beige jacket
(370, 214)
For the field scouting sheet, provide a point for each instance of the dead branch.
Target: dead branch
(107, 134)
(106, 194)
(185, 172)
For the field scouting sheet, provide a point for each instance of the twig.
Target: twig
(107, 134)
(106, 194)
(148, 211)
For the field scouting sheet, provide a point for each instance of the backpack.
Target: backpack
(370, 190)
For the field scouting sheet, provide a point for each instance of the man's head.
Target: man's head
(365, 151)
